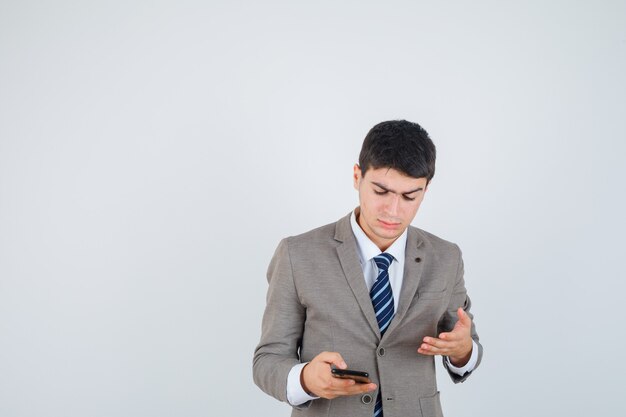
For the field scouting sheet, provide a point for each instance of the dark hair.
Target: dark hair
(401, 145)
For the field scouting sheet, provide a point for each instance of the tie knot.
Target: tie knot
(383, 261)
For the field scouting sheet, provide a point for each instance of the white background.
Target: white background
(153, 154)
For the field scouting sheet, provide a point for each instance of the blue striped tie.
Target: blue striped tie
(382, 300)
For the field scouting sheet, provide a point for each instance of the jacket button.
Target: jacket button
(418, 260)
(381, 351)
(366, 399)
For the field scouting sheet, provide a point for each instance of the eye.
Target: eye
(380, 192)
(408, 198)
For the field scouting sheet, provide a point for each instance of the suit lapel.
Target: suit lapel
(349, 258)
(412, 275)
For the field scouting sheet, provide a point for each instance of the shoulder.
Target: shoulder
(320, 242)
(313, 244)
(434, 243)
(322, 235)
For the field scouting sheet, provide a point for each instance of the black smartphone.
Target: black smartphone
(359, 376)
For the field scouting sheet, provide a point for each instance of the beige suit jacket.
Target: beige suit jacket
(318, 301)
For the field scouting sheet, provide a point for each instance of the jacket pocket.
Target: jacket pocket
(431, 406)
(430, 295)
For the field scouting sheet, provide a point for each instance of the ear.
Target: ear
(356, 176)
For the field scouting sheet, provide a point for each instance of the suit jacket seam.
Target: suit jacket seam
(293, 276)
(458, 265)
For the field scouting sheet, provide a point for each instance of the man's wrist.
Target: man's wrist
(304, 387)
(460, 362)
(469, 366)
(296, 395)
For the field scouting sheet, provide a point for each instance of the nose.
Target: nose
(392, 204)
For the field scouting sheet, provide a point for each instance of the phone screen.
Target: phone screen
(359, 376)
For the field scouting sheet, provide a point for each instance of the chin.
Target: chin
(389, 234)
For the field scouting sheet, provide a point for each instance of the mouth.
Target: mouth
(389, 225)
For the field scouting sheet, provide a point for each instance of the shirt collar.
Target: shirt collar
(368, 249)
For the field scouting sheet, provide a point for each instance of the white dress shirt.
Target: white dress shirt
(367, 250)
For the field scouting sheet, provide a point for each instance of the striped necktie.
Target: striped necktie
(382, 300)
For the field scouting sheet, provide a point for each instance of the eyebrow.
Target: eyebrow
(395, 192)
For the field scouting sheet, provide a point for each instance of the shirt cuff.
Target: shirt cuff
(469, 366)
(296, 395)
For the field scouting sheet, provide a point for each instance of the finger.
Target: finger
(452, 336)
(355, 389)
(440, 343)
(360, 388)
(425, 352)
(440, 348)
(332, 358)
(435, 350)
(429, 350)
(341, 384)
(348, 383)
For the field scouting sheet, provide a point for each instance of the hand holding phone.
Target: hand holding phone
(317, 381)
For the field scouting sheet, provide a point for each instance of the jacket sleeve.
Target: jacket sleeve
(459, 299)
(282, 328)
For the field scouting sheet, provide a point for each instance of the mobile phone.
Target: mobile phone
(359, 376)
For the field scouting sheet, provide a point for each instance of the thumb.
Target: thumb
(463, 317)
(332, 358)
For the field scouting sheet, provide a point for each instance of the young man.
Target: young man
(369, 293)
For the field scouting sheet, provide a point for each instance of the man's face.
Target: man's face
(389, 201)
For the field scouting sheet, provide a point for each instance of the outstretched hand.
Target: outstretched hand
(317, 380)
(456, 344)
